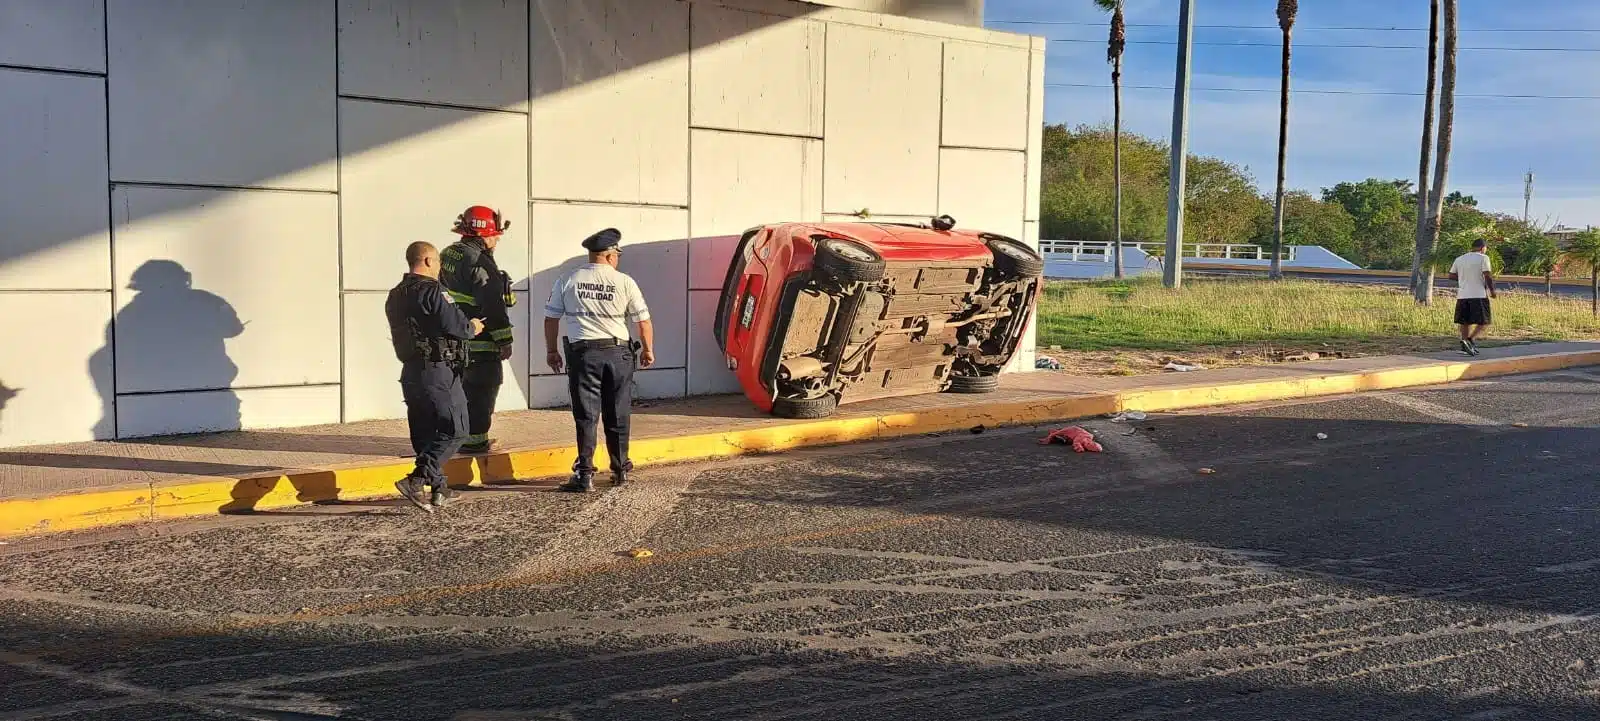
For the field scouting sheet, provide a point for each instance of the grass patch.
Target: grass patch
(1140, 314)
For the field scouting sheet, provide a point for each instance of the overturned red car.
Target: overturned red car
(813, 315)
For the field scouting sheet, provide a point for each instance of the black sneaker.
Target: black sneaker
(1472, 346)
(443, 496)
(578, 484)
(1466, 347)
(411, 488)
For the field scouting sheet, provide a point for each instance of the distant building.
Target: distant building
(1563, 234)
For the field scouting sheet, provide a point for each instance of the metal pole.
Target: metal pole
(1173, 269)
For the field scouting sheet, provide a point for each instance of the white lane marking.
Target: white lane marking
(1436, 411)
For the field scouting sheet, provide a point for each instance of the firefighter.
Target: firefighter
(430, 335)
(477, 284)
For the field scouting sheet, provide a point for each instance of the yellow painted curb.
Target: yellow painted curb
(206, 496)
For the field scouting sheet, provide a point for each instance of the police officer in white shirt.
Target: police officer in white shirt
(590, 309)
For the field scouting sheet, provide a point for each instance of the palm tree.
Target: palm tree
(1423, 251)
(1287, 9)
(1441, 168)
(1585, 250)
(1114, 47)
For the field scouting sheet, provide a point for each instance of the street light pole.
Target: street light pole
(1172, 274)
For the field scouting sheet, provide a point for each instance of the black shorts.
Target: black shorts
(1473, 311)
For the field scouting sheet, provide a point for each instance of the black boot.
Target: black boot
(443, 496)
(411, 488)
(619, 476)
(580, 483)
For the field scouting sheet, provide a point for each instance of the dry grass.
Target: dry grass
(1133, 327)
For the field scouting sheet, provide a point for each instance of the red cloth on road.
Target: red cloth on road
(1080, 439)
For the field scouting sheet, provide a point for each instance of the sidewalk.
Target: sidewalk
(62, 487)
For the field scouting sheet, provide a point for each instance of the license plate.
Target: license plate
(749, 314)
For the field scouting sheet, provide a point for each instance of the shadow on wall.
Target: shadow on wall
(172, 338)
(6, 394)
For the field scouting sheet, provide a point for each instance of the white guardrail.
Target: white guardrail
(1100, 251)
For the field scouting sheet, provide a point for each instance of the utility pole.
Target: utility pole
(1527, 195)
(1172, 274)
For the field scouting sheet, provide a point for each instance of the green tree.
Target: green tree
(1380, 209)
(1457, 243)
(1078, 185)
(1532, 253)
(1457, 198)
(1584, 251)
(1286, 14)
(1223, 203)
(1308, 221)
(1115, 44)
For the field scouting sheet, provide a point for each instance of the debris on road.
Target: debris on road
(1126, 416)
(1322, 436)
(1207, 471)
(975, 430)
(1301, 357)
(1182, 367)
(1046, 363)
(1519, 424)
(640, 553)
(1081, 440)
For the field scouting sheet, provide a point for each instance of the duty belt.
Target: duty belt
(582, 345)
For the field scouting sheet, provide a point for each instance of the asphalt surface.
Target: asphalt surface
(1435, 557)
(1441, 282)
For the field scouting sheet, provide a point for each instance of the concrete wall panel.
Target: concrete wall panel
(472, 53)
(983, 189)
(208, 411)
(610, 111)
(548, 391)
(1027, 352)
(225, 289)
(1035, 133)
(53, 194)
(741, 181)
(56, 34)
(708, 370)
(659, 383)
(413, 187)
(62, 395)
(985, 96)
(371, 373)
(756, 72)
(655, 251)
(223, 93)
(514, 391)
(883, 96)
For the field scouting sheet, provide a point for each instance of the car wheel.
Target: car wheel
(1014, 259)
(805, 407)
(973, 384)
(849, 261)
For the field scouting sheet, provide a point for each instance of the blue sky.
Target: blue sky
(1351, 137)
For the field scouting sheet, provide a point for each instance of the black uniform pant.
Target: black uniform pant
(436, 414)
(600, 380)
(482, 385)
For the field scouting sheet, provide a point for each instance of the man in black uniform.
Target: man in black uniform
(477, 284)
(430, 338)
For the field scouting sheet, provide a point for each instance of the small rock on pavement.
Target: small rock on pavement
(1519, 424)
(1322, 436)
(1302, 357)
(640, 553)
(1207, 471)
(1578, 666)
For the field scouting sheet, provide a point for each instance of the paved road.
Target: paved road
(1565, 291)
(1430, 559)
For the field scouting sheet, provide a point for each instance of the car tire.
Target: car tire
(973, 384)
(848, 261)
(805, 407)
(1014, 259)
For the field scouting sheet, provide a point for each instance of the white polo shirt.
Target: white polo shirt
(596, 302)
(1469, 270)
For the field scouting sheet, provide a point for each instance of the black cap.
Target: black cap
(603, 241)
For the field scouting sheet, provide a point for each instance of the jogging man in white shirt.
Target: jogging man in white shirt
(590, 309)
(1474, 277)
